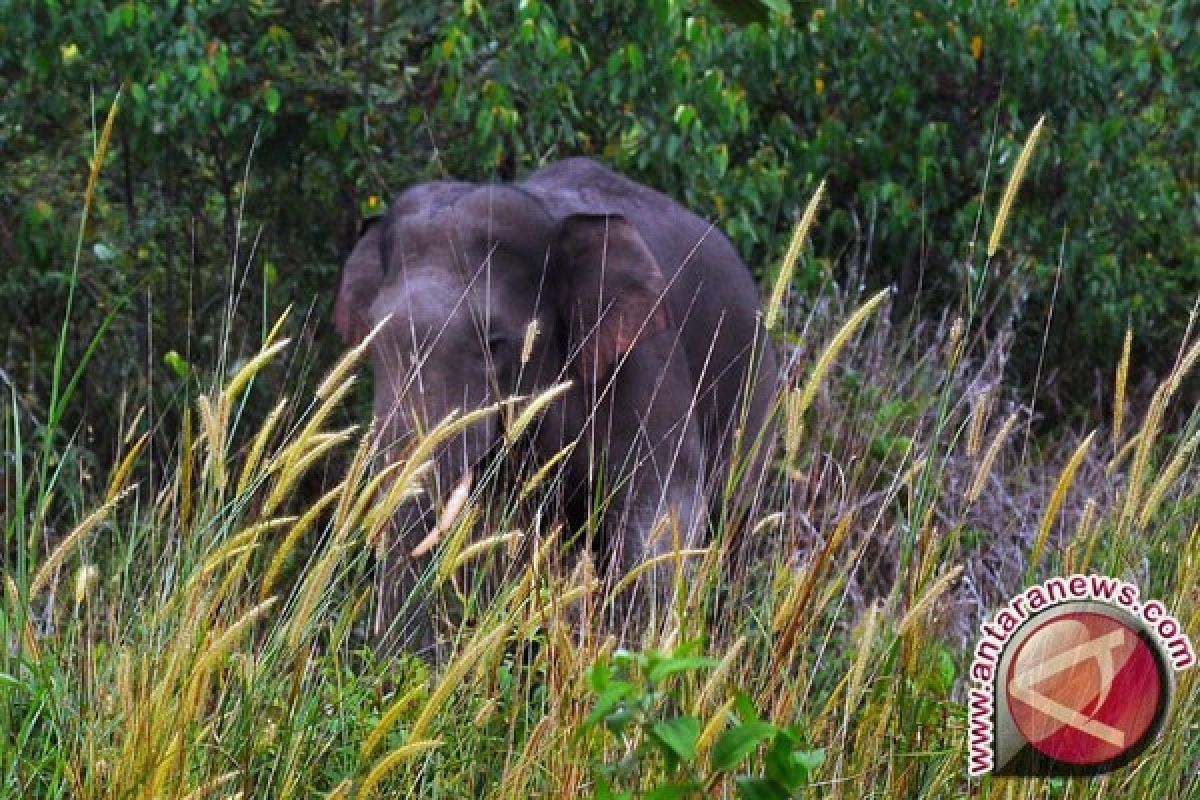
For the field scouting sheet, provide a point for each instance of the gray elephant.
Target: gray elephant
(642, 305)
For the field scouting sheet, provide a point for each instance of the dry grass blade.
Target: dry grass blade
(1056, 499)
(460, 531)
(207, 788)
(922, 607)
(363, 456)
(716, 678)
(559, 603)
(100, 153)
(513, 781)
(1122, 454)
(319, 446)
(258, 446)
(301, 443)
(229, 638)
(341, 791)
(650, 563)
(1148, 435)
(390, 762)
(403, 489)
(418, 461)
(1167, 478)
(369, 494)
(453, 676)
(544, 470)
(121, 474)
(293, 538)
(387, 721)
(238, 543)
(316, 581)
(531, 333)
(484, 545)
(28, 635)
(868, 629)
(251, 368)
(1014, 184)
(989, 457)
(714, 726)
(213, 421)
(67, 545)
(533, 408)
(790, 617)
(347, 362)
(184, 478)
(799, 404)
(980, 415)
(1122, 381)
(792, 255)
(1086, 534)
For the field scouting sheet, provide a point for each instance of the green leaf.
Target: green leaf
(672, 791)
(619, 719)
(609, 699)
(738, 742)
(670, 666)
(751, 788)
(605, 792)
(945, 670)
(678, 737)
(788, 766)
(685, 115)
(744, 706)
(810, 759)
(271, 98)
(599, 675)
(743, 12)
(176, 363)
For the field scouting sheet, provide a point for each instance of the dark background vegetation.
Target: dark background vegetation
(252, 135)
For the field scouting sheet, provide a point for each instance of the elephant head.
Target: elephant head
(481, 293)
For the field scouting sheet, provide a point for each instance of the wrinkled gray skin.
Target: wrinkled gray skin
(644, 306)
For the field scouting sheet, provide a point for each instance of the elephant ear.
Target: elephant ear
(611, 288)
(361, 277)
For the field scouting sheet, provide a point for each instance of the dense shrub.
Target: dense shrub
(251, 134)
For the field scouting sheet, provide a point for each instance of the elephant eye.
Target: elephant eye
(497, 344)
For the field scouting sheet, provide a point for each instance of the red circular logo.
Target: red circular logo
(1084, 688)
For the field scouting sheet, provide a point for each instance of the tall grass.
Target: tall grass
(208, 639)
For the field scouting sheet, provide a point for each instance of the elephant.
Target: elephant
(643, 306)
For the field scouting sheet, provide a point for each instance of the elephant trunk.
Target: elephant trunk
(404, 618)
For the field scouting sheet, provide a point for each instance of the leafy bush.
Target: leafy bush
(667, 750)
(251, 133)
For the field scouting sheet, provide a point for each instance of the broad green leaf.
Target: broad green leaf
(750, 788)
(678, 736)
(670, 666)
(738, 742)
(609, 699)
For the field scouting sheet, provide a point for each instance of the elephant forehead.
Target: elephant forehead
(453, 239)
(423, 298)
(468, 226)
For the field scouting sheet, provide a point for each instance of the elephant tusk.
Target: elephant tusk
(454, 506)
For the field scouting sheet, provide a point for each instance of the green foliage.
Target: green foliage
(253, 134)
(636, 703)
